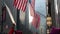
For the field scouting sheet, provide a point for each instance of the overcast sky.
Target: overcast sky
(40, 5)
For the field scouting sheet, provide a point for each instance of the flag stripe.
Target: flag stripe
(17, 4)
(32, 7)
(20, 4)
(25, 5)
(36, 21)
(32, 2)
(36, 17)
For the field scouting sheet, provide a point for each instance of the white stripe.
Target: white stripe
(20, 4)
(23, 7)
(17, 4)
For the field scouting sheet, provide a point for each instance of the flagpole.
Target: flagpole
(18, 19)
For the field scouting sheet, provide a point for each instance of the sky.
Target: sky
(40, 6)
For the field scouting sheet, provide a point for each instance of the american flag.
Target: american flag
(36, 21)
(32, 3)
(36, 17)
(32, 7)
(20, 4)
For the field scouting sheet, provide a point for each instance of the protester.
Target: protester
(12, 31)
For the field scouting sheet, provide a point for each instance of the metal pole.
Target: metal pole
(18, 20)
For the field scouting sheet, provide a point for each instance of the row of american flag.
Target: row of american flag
(22, 4)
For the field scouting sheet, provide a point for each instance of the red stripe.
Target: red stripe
(20, 4)
(32, 7)
(24, 5)
(31, 11)
(36, 21)
(33, 3)
(36, 17)
(17, 4)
